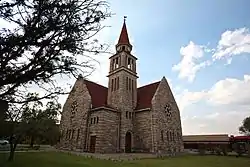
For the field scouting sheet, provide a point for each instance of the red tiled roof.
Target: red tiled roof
(98, 93)
(145, 95)
(124, 35)
(240, 138)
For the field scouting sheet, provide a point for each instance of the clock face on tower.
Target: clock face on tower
(119, 48)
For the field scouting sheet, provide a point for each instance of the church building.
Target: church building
(121, 117)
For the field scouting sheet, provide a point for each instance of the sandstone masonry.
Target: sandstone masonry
(122, 117)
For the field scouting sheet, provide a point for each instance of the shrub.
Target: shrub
(36, 147)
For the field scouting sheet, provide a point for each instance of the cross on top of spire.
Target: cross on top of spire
(124, 18)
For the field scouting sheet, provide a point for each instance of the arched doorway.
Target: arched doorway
(128, 142)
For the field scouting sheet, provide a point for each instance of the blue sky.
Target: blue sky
(202, 47)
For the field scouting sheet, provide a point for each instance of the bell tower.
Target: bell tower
(122, 87)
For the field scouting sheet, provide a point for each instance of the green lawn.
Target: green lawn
(52, 159)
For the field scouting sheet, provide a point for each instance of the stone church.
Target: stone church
(121, 117)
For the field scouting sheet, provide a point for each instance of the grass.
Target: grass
(53, 159)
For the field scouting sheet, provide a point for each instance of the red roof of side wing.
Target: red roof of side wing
(145, 95)
(241, 138)
(98, 94)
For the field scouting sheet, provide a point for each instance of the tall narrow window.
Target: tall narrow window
(170, 136)
(117, 83)
(69, 134)
(66, 135)
(126, 114)
(113, 64)
(73, 131)
(129, 116)
(127, 83)
(97, 120)
(94, 120)
(162, 137)
(120, 61)
(62, 134)
(167, 135)
(116, 63)
(78, 134)
(132, 85)
(112, 84)
(91, 121)
(131, 64)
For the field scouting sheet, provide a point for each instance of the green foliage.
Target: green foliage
(34, 121)
(41, 123)
(50, 38)
(245, 128)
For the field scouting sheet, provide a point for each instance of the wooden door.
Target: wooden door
(92, 144)
(128, 142)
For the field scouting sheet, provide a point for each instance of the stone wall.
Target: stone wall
(106, 131)
(166, 129)
(73, 125)
(143, 135)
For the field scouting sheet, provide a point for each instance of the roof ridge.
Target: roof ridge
(149, 84)
(95, 83)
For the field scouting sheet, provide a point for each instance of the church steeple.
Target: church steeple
(123, 42)
(122, 74)
(124, 34)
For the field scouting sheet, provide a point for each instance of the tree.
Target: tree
(245, 128)
(30, 119)
(50, 38)
(42, 122)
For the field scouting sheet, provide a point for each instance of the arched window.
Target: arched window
(167, 135)
(174, 136)
(170, 136)
(69, 134)
(162, 136)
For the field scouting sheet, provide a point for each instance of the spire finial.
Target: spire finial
(124, 18)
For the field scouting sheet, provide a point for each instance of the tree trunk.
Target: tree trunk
(12, 149)
(32, 141)
(11, 155)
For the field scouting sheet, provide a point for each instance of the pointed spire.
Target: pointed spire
(124, 34)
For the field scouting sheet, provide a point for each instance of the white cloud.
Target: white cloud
(187, 98)
(230, 91)
(189, 65)
(233, 43)
(228, 103)
(218, 123)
